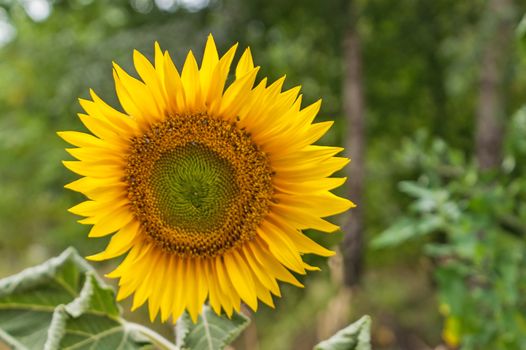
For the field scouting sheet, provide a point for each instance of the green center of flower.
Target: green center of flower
(194, 187)
(199, 186)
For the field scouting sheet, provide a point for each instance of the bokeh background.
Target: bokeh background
(427, 97)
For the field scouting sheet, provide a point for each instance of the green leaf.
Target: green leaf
(415, 189)
(211, 332)
(92, 321)
(401, 231)
(62, 304)
(356, 336)
(405, 229)
(28, 299)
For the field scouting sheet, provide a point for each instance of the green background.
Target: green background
(421, 63)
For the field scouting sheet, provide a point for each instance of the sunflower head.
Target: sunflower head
(206, 188)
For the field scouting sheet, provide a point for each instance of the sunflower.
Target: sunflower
(206, 189)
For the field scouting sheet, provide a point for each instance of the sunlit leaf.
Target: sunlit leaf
(62, 304)
(356, 336)
(211, 332)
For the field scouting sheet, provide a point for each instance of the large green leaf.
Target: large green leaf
(405, 229)
(61, 304)
(211, 332)
(356, 336)
(92, 321)
(28, 299)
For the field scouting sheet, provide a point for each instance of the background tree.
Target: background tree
(498, 30)
(354, 110)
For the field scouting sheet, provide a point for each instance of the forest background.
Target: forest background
(428, 100)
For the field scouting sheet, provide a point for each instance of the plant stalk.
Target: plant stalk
(155, 338)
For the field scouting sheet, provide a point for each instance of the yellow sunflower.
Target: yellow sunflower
(205, 188)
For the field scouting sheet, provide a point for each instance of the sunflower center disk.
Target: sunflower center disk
(198, 185)
(194, 187)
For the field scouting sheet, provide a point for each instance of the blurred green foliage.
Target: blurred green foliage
(473, 228)
(420, 71)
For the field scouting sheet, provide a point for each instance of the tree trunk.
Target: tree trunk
(353, 108)
(490, 113)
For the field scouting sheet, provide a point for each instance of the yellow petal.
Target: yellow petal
(281, 247)
(159, 284)
(261, 274)
(308, 172)
(263, 293)
(271, 264)
(145, 287)
(159, 63)
(250, 114)
(132, 271)
(135, 254)
(87, 208)
(139, 96)
(214, 299)
(95, 155)
(150, 77)
(308, 155)
(192, 85)
(296, 140)
(111, 222)
(307, 114)
(324, 204)
(208, 64)
(120, 243)
(80, 139)
(312, 186)
(304, 220)
(191, 289)
(227, 296)
(119, 122)
(174, 87)
(310, 268)
(179, 301)
(220, 75)
(241, 278)
(126, 100)
(226, 284)
(169, 289)
(303, 243)
(245, 64)
(93, 170)
(95, 208)
(97, 188)
(236, 95)
(201, 286)
(316, 131)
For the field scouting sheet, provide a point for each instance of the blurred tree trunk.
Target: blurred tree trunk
(498, 26)
(435, 73)
(353, 108)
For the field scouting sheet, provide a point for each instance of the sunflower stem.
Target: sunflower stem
(155, 338)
